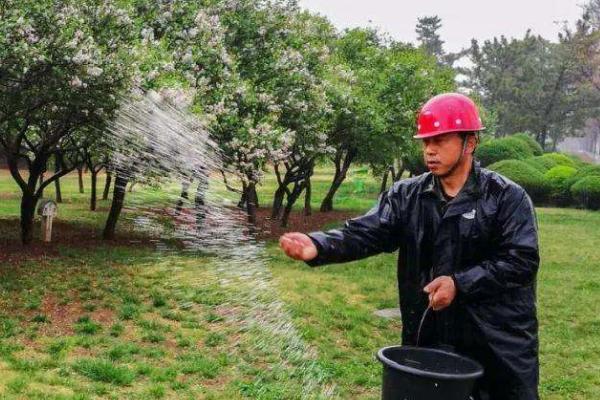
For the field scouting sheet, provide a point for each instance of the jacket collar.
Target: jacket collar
(472, 188)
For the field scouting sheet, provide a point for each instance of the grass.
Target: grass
(118, 322)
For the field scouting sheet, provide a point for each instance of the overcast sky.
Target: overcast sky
(462, 19)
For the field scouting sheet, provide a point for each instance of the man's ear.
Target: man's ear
(472, 142)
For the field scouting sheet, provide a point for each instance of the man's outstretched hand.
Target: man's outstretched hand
(441, 291)
(298, 246)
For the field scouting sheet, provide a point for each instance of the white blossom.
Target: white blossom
(94, 71)
(76, 82)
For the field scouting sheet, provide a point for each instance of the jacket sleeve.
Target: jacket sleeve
(375, 232)
(516, 259)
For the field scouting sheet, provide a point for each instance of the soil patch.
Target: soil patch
(64, 234)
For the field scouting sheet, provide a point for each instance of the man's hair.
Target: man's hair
(465, 135)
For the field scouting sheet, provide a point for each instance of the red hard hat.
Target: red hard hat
(448, 112)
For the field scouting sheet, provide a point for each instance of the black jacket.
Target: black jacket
(485, 238)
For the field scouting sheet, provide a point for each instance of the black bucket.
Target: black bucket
(420, 373)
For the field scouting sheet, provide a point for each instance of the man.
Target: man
(468, 248)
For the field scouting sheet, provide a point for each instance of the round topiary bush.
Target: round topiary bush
(588, 170)
(541, 165)
(557, 177)
(586, 192)
(559, 159)
(579, 163)
(528, 177)
(550, 160)
(534, 146)
(508, 148)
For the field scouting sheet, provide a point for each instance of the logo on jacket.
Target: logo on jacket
(469, 215)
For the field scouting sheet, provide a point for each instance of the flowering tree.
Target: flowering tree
(306, 110)
(233, 54)
(63, 65)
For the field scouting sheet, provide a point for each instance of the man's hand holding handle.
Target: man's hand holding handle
(441, 291)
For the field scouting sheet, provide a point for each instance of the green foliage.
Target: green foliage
(550, 160)
(579, 163)
(526, 176)
(508, 148)
(528, 82)
(588, 170)
(413, 159)
(557, 178)
(559, 159)
(586, 192)
(531, 142)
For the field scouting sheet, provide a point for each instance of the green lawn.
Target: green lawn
(121, 322)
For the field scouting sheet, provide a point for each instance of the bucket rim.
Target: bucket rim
(429, 374)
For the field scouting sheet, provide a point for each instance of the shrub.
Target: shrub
(588, 170)
(550, 160)
(534, 146)
(579, 163)
(508, 148)
(586, 192)
(526, 176)
(559, 159)
(556, 178)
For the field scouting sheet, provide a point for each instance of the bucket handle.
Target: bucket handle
(425, 313)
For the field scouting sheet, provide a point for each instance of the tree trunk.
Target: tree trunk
(242, 203)
(307, 195)
(278, 202)
(107, 184)
(116, 206)
(384, 181)
(57, 181)
(185, 186)
(251, 202)
(342, 164)
(40, 184)
(28, 203)
(543, 139)
(80, 176)
(327, 204)
(199, 201)
(94, 185)
(291, 199)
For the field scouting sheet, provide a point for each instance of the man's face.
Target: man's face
(441, 152)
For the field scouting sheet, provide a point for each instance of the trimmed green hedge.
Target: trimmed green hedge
(525, 175)
(550, 160)
(508, 148)
(588, 170)
(534, 146)
(579, 163)
(586, 192)
(557, 177)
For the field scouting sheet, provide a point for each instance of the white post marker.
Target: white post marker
(48, 210)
